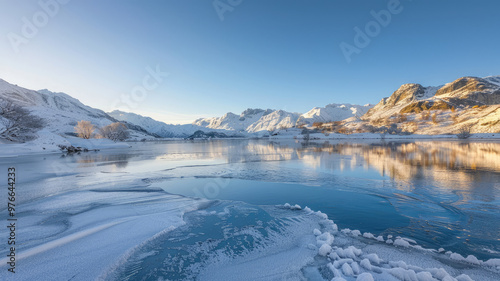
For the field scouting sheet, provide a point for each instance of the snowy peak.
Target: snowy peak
(493, 80)
(406, 93)
(278, 119)
(156, 127)
(467, 85)
(333, 112)
(463, 92)
(46, 99)
(251, 120)
(251, 111)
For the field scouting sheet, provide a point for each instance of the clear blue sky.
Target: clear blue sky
(282, 54)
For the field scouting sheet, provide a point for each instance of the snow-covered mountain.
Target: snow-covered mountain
(251, 121)
(157, 127)
(333, 112)
(470, 102)
(231, 121)
(60, 112)
(476, 101)
(461, 93)
(248, 122)
(278, 119)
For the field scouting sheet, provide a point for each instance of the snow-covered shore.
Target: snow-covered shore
(48, 142)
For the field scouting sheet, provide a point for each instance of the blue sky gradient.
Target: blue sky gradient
(281, 54)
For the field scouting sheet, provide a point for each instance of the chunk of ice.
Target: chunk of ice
(368, 235)
(373, 258)
(365, 263)
(347, 270)
(463, 277)
(402, 243)
(365, 277)
(324, 250)
(425, 276)
(325, 238)
(355, 268)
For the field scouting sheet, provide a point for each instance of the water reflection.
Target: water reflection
(449, 165)
(448, 190)
(457, 165)
(403, 160)
(91, 159)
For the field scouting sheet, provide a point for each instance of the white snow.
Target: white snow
(324, 239)
(493, 262)
(401, 242)
(355, 232)
(48, 142)
(493, 79)
(347, 270)
(365, 263)
(373, 258)
(365, 276)
(324, 250)
(368, 235)
(463, 277)
(333, 112)
(251, 121)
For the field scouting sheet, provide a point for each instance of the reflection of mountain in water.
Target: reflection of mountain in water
(442, 160)
(450, 164)
(406, 160)
(231, 151)
(88, 159)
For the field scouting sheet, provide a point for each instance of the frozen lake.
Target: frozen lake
(138, 215)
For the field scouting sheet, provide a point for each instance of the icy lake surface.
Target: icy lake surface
(215, 210)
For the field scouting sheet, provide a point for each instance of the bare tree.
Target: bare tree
(84, 129)
(115, 131)
(17, 122)
(464, 132)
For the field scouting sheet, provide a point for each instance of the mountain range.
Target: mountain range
(251, 122)
(470, 101)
